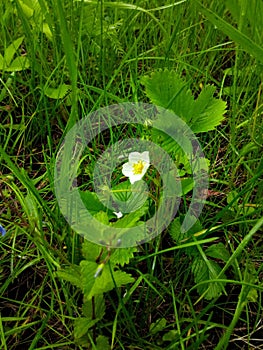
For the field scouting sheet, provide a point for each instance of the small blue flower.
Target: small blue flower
(2, 230)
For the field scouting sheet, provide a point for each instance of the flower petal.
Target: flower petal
(118, 214)
(137, 166)
(2, 230)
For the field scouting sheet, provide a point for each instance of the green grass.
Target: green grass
(100, 51)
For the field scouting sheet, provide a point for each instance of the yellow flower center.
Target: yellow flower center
(138, 167)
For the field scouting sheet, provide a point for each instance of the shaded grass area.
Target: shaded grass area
(100, 52)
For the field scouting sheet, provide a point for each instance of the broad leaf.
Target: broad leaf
(18, 64)
(204, 271)
(71, 274)
(11, 50)
(91, 251)
(218, 251)
(82, 325)
(167, 89)
(95, 286)
(122, 256)
(102, 343)
(92, 202)
(57, 93)
(208, 111)
(99, 310)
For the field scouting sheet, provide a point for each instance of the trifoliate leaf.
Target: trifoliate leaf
(167, 89)
(208, 111)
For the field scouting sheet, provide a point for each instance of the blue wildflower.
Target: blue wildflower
(2, 230)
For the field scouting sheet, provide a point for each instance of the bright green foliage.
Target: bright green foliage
(91, 201)
(61, 59)
(57, 93)
(91, 251)
(94, 284)
(71, 274)
(105, 282)
(122, 256)
(10, 64)
(167, 89)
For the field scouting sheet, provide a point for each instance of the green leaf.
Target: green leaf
(170, 336)
(203, 272)
(91, 251)
(11, 50)
(99, 310)
(46, 30)
(82, 325)
(92, 202)
(210, 111)
(131, 219)
(131, 197)
(175, 229)
(18, 64)
(122, 278)
(104, 283)
(26, 8)
(122, 256)
(102, 217)
(218, 251)
(57, 93)
(249, 294)
(167, 89)
(2, 62)
(71, 274)
(102, 343)
(158, 326)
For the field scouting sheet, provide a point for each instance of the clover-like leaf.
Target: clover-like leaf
(167, 89)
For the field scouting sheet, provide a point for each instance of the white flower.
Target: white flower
(137, 166)
(119, 214)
